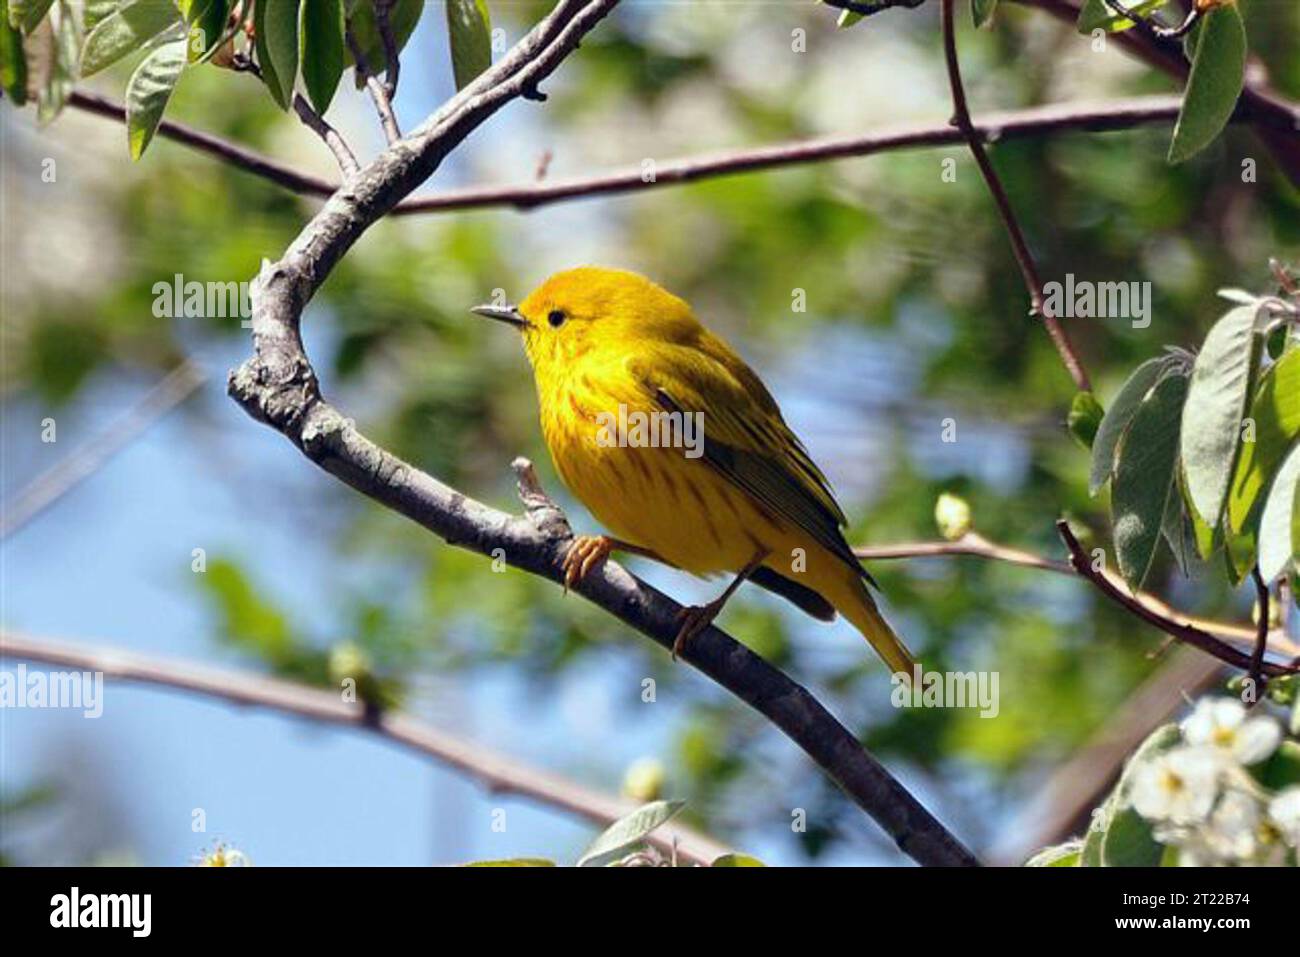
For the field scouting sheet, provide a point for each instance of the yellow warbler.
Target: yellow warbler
(677, 447)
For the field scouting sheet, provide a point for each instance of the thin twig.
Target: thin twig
(496, 772)
(1028, 268)
(971, 543)
(82, 462)
(278, 386)
(975, 545)
(1017, 124)
(233, 154)
(343, 154)
(392, 64)
(1274, 119)
(1153, 28)
(378, 92)
(1261, 635)
(1182, 631)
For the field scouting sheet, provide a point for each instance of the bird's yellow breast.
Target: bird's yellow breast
(656, 496)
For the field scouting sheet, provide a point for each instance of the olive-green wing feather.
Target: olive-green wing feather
(745, 438)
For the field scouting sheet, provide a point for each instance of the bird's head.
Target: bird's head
(591, 308)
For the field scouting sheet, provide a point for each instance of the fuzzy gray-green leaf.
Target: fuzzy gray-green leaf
(1144, 477)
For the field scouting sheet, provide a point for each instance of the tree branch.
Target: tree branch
(496, 772)
(333, 140)
(230, 153)
(1275, 120)
(1261, 627)
(1017, 124)
(1028, 268)
(378, 91)
(1182, 631)
(392, 65)
(331, 137)
(279, 387)
(971, 543)
(977, 546)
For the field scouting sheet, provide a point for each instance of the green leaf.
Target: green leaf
(127, 29)
(1215, 405)
(1207, 539)
(1278, 524)
(207, 22)
(1117, 419)
(148, 91)
(1178, 532)
(625, 833)
(1161, 739)
(1214, 84)
(847, 18)
(26, 14)
(60, 74)
(982, 11)
(469, 28)
(1090, 855)
(1096, 14)
(1085, 418)
(93, 11)
(1282, 770)
(276, 27)
(13, 62)
(1275, 413)
(361, 21)
(1128, 842)
(321, 35)
(1069, 854)
(737, 860)
(510, 861)
(1144, 477)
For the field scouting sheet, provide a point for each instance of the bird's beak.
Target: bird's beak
(510, 314)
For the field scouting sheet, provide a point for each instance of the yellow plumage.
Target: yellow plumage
(605, 345)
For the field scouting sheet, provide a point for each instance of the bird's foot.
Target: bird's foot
(694, 619)
(585, 553)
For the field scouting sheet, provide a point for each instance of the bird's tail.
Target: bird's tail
(860, 608)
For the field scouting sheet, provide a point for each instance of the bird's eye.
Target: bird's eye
(556, 318)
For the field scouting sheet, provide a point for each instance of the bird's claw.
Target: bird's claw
(584, 554)
(694, 619)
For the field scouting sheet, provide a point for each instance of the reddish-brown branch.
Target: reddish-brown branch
(1181, 631)
(975, 545)
(1017, 124)
(1024, 259)
(1274, 119)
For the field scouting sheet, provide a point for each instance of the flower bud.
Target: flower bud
(953, 516)
(644, 779)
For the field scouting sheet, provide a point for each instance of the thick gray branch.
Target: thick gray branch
(278, 386)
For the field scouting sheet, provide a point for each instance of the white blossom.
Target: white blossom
(1284, 812)
(1234, 831)
(1222, 724)
(1178, 787)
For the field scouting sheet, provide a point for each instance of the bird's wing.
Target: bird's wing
(745, 438)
